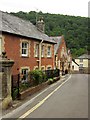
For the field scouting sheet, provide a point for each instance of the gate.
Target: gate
(15, 86)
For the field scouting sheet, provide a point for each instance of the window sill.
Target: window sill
(36, 56)
(49, 56)
(25, 56)
(42, 56)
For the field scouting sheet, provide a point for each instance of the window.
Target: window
(43, 68)
(24, 73)
(25, 49)
(81, 60)
(49, 51)
(62, 52)
(36, 68)
(81, 65)
(36, 50)
(42, 51)
(48, 68)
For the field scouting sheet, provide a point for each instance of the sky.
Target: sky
(65, 7)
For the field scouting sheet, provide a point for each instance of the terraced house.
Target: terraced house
(63, 58)
(26, 44)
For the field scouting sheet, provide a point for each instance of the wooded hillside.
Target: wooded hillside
(74, 29)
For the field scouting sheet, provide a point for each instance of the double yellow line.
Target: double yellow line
(41, 102)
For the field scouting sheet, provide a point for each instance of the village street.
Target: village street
(69, 100)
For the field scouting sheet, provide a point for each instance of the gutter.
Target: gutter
(40, 45)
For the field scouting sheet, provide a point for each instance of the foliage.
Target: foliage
(52, 73)
(15, 93)
(50, 81)
(24, 86)
(37, 76)
(75, 29)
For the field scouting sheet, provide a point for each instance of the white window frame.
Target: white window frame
(36, 68)
(49, 66)
(25, 46)
(49, 53)
(36, 50)
(22, 74)
(42, 50)
(43, 68)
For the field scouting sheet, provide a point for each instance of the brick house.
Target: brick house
(27, 45)
(62, 56)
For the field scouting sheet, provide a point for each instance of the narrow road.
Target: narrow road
(69, 100)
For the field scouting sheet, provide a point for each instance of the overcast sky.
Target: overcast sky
(65, 7)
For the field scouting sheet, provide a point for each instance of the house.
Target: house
(27, 45)
(75, 67)
(62, 56)
(83, 61)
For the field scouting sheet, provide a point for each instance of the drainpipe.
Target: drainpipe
(40, 45)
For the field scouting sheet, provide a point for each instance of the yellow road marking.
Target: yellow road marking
(41, 102)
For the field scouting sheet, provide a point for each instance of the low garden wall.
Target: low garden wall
(37, 88)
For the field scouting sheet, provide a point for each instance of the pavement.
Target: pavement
(19, 103)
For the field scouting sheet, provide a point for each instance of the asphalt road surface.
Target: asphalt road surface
(67, 100)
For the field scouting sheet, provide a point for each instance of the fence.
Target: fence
(18, 86)
(52, 73)
(15, 86)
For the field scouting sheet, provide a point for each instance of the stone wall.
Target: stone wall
(4, 85)
(0, 85)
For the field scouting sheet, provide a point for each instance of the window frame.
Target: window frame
(49, 66)
(80, 65)
(25, 47)
(42, 50)
(26, 75)
(50, 51)
(81, 60)
(36, 68)
(43, 68)
(36, 50)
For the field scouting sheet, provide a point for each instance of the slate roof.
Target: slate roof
(84, 56)
(58, 40)
(18, 26)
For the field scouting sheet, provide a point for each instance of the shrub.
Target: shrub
(37, 76)
(50, 80)
(15, 93)
(24, 86)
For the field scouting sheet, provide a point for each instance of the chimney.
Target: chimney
(40, 25)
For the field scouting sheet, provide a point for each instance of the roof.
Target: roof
(18, 26)
(58, 40)
(75, 62)
(84, 56)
